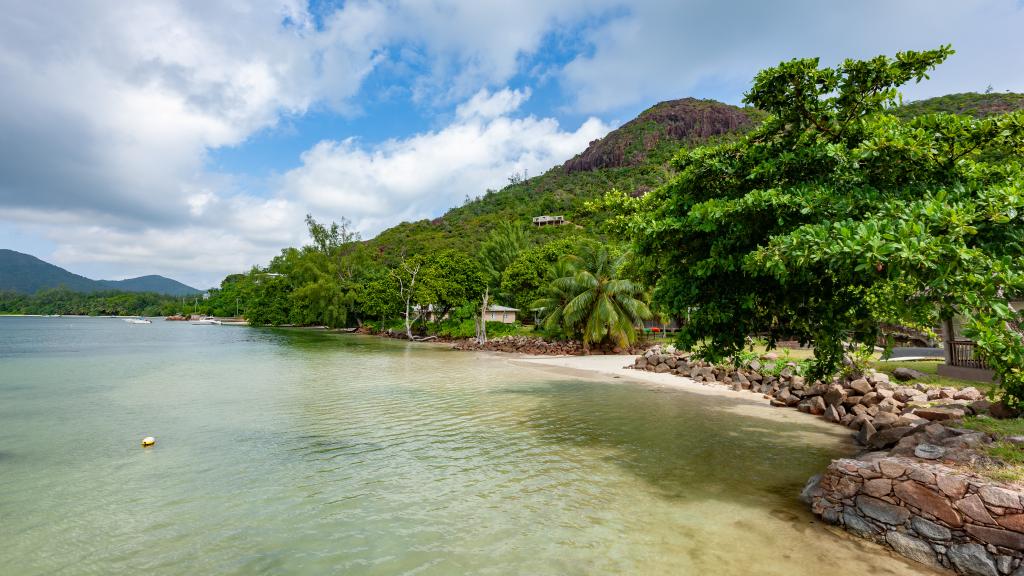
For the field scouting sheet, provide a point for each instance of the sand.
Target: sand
(613, 368)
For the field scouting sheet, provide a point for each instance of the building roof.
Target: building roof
(496, 308)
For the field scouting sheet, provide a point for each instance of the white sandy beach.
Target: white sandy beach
(613, 368)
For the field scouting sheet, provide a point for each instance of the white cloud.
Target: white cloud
(419, 176)
(109, 110)
(113, 110)
(227, 234)
(663, 50)
(376, 186)
(485, 105)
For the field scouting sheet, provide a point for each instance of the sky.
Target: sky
(190, 138)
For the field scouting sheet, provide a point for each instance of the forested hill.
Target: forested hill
(633, 157)
(152, 283)
(967, 103)
(27, 274)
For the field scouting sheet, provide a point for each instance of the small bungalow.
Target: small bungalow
(495, 313)
(429, 313)
(502, 314)
(549, 220)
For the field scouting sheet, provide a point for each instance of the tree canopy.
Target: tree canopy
(835, 215)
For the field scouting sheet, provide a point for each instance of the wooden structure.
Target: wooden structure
(549, 220)
(962, 359)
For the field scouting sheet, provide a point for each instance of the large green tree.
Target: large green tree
(450, 279)
(497, 252)
(524, 280)
(835, 215)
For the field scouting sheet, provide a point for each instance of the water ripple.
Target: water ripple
(289, 452)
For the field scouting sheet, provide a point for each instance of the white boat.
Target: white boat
(205, 321)
(137, 321)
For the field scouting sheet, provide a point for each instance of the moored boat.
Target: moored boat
(205, 320)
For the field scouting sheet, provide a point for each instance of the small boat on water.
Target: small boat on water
(138, 320)
(206, 320)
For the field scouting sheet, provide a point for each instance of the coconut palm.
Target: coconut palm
(588, 298)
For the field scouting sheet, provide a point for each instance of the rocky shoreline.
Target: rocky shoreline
(529, 345)
(879, 411)
(912, 489)
(534, 346)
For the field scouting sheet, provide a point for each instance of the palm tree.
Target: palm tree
(589, 299)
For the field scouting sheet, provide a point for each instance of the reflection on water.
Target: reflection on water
(301, 452)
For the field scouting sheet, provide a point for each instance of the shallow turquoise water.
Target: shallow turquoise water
(299, 452)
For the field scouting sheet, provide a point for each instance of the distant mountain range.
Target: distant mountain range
(27, 274)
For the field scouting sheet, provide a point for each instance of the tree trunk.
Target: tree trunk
(482, 336)
(408, 319)
(407, 294)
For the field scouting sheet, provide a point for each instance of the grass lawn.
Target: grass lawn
(1009, 453)
(927, 367)
(930, 368)
(793, 353)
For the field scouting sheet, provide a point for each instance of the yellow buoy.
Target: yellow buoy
(148, 441)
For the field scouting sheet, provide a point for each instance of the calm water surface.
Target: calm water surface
(297, 452)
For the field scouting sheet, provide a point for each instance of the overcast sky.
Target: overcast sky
(189, 138)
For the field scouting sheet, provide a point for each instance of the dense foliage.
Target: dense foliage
(834, 216)
(66, 302)
(634, 158)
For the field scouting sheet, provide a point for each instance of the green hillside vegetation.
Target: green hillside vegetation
(486, 251)
(151, 283)
(67, 302)
(27, 274)
(634, 158)
(342, 281)
(967, 104)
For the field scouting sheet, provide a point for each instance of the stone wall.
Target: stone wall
(927, 512)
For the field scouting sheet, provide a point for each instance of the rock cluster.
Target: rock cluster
(685, 121)
(878, 411)
(926, 511)
(532, 346)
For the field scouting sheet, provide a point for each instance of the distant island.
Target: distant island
(26, 274)
(29, 285)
